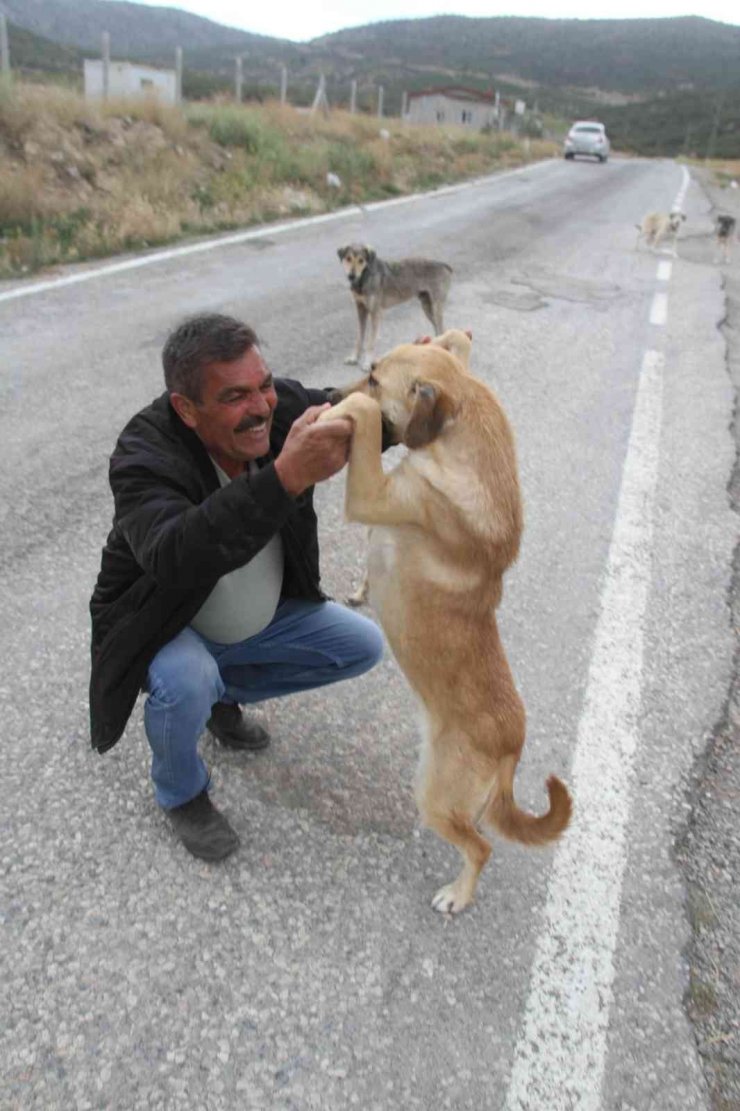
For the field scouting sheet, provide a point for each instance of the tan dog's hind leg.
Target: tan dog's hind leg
(359, 596)
(449, 797)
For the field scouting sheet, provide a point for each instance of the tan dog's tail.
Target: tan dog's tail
(505, 816)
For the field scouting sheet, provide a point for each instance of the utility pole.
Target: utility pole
(715, 127)
(4, 49)
(353, 98)
(238, 80)
(178, 75)
(283, 84)
(105, 44)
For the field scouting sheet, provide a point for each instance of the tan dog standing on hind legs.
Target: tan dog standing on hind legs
(446, 523)
(377, 285)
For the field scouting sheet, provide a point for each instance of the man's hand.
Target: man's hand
(313, 451)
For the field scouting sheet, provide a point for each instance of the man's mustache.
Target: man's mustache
(250, 422)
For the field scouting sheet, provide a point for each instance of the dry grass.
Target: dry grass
(80, 179)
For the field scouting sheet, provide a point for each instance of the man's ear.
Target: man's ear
(432, 407)
(185, 408)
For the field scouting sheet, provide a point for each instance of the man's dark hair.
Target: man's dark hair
(198, 341)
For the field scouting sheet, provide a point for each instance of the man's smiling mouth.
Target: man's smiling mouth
(253, 429)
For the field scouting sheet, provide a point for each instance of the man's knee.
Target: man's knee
(367, 643)
(185, 673)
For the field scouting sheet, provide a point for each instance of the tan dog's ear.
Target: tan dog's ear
(432, 407)
(342, 251)
(457, 342)
(370, 253)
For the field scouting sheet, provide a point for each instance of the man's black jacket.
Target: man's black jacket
(175, 533)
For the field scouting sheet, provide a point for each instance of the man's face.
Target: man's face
(234, 415)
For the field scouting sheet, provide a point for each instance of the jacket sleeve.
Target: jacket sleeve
(181, 544)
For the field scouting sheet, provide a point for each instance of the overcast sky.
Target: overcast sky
(300, 19)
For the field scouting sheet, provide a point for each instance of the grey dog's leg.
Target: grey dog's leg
(432, 311)
(361, 326)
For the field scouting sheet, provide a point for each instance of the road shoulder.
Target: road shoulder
(708, 850)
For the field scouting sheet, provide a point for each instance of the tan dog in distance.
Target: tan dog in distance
(657, 226)
(446, 523)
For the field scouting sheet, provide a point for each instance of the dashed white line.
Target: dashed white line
(659, 308)
(664, 270)
(560, 1056)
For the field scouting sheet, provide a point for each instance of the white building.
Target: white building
(452, 104)
(125, 79)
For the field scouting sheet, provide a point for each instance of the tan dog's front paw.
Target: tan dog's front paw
(452, 898)
(351, 360)
(352, 406)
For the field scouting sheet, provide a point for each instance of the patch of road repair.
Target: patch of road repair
(564, 287)
(546, 285)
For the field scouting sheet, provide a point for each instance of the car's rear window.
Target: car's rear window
(589, 127)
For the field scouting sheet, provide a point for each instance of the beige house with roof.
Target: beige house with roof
(452, 104)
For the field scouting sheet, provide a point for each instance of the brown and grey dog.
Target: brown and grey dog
(657, 226)
(377, 285)
(446, 524)
(724, 233)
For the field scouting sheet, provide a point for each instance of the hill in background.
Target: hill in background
(663, 86)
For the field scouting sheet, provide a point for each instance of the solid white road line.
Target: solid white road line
(254, 233)
(659, 308)
(559, 1058)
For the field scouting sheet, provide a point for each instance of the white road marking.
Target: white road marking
(659, 309)
(560, 1056)
(664, 271)
(264, 230)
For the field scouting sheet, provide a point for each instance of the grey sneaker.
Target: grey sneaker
(203, 829)
(233, 730)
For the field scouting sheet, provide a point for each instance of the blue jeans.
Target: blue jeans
(306, 645)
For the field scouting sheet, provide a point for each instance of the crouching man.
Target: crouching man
(208, 595)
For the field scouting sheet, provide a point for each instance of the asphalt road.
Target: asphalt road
(308, 971)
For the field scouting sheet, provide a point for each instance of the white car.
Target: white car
(587, 137)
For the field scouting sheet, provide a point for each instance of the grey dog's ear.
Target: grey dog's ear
(432, 407)
(342, 251)
(369, 253)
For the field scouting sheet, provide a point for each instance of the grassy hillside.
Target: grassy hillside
(697, 125)
(135, 29)
(622, 55)
(79, 180)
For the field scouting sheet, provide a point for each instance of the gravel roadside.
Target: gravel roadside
(708, 849)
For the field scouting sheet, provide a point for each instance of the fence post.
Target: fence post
(283, 84)
(380, 101)
(320, 100)
(105, 44)
(353, 98)
(178, 75)
(4, 49)
(404, 105)
(238, 80)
